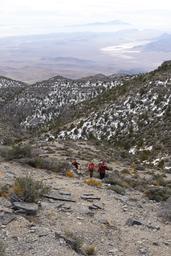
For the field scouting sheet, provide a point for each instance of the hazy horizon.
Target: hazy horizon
(28, 17)
(76, 38)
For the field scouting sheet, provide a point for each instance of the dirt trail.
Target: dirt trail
(106, 228)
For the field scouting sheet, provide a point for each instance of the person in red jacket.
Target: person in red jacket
(91, 168)
(102, 167)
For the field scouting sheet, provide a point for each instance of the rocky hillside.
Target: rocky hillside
(135, 116)
(47, 207)
(9, 89)
(41, 103)
(119, 216)
(131, 113)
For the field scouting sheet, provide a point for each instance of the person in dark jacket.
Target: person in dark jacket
(75, 164)
(102, 167)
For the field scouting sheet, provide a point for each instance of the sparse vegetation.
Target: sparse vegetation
(50, 164)
(4, 190)
(90, 250)
(17, 152)
(93, 182)
(77, 241)
(158, 180)
(158, 193)
(29, 190)
(70, 174)
(118, 189)
(2, 248)
(116, 179)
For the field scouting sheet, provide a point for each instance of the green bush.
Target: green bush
(29, 190)
(17, 152)
(4, 190)
(77, 242)
(116, 179)
(159, 180)
(118, 189)
(50, 164)
(144, 155)
(158, 193)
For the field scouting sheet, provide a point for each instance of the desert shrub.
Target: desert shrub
(118, 189)
(116, 179)
(125, 172)
(91, 136)
(136, 183)
(8, 141)
(2, 248)
(70, 174)
(17, 152)
(90, 250)
(93, 182)
(159, 180)
(161, 164)
(77, 242)
(4, 190)
(50, 164)
(158, 193)
(28, 189)
(144, 155)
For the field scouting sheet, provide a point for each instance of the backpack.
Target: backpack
(91, 166)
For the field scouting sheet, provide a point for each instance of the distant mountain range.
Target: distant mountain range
(106, 23)
(80, 54)
(161, 44)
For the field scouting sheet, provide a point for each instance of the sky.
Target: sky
(23, 17)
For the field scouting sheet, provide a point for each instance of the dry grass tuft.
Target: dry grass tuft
(90, 250)
(28, 189)
(5, 190)
(93, 182)
(70, 174)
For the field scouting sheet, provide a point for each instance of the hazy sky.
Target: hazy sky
(19, 17)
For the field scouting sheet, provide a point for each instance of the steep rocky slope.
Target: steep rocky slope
(131, 113)
(41, 103)
(111, 223)
(135, 116)
(9, 89)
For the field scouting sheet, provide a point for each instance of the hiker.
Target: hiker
(102, 167)
(91, 168)
(75, 164)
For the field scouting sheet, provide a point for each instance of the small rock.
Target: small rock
(156, 243)
(65, 193)
(153, 227)
(80, 218)
(43, 231)
(132, 222)
(114, 251)
(143, 251)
